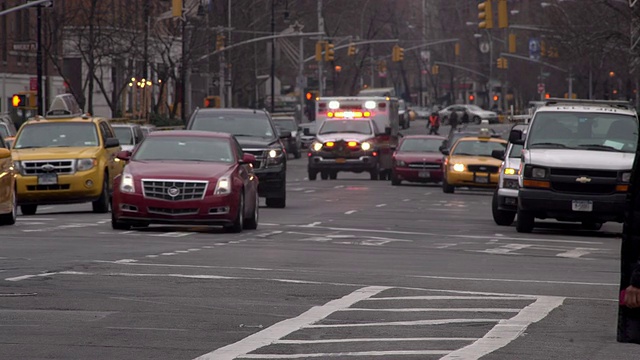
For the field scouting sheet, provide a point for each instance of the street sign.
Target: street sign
(485, 47)
(534, 48)
(540, 88)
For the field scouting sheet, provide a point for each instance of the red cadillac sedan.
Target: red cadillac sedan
(187, 178)
(418, 159)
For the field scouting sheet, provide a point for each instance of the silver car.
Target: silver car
(505, 199)
(476, 113)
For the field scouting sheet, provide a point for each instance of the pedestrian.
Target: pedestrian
(434, 123)
(629, 308)
(465, 117)
(453, 121)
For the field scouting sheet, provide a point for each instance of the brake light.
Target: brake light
(352, 144)
(350, 114)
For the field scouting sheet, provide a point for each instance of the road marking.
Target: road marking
(30, 218)
(313, 224)
(25, 277)
(269, 234)
(405, 200)
(507, 330)
(338, 186)
(504, 249)
(441, 297)
(408, 323)
(152, 256)
(516, 280)
(202, 266)
(381, 205)
(359, 353)
(332, 341)
(142, 328)
(125, 261)
(350, 212)
(286, 327)
(575, 253)
(168, 254)
(437, 310)
(182, 251)
(309, 191)
(174, 234)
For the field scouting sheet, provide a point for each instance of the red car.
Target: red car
(186, 177)
(418, 159)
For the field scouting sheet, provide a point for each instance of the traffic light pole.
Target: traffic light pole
(320, 63)
(40, 88)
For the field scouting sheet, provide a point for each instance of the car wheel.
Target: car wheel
(333, 175)
(251, 223)
(591, 225)
(525, 222)
(238, 223)
(477, 120)
(446, 188)
(101, 205)
(10, 217)
(313, 175)
(118, 225)
(501, 217)
(278, 202)
(28, 209)
(324, 175)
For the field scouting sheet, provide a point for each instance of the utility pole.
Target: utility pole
(40, 89)
(229, 93)
(273, 55)
(321, 62)
(183, 72)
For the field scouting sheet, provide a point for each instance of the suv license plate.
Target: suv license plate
(341, 161)
(48, 179)
(582, 205)
(424, 174)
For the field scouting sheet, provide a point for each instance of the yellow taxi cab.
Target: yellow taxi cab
(469, 162)
(7, 187)
(65, 158)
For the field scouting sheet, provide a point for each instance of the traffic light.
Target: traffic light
(397, 54)
(472, 98)
(220, 42)
(503, 63)
(485, 15)
(503, 14)
(319, 49)
(308, 96)
(496, 98)
(352, 50)
(456, 49)
(547, 96)
(512, 43)
(212, 102)
(329, 52)
(176, 8)
(19, 100)
(435, 69)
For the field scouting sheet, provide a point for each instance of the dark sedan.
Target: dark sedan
(418, 159)
(186, 177)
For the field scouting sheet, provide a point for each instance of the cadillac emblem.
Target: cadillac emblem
(583, 179)
(173, 191)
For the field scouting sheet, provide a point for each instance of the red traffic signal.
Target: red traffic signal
(496, 97)
(547, 96)
(471, 97)
(18, 100)
(308, 96)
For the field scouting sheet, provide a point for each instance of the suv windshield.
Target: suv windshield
(242, 124)
(124, 135)
(477, 147)
(285, 124)
(581, 130)
(345, 126)
(421, 145)
(184, 149)
(59, 134)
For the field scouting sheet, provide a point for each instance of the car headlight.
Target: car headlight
(510, 171)
(539, 173)
(510, 184)
(401, 163)
(275, 157)
(17, 166)
(458, 167)
(365, 146)
(86, 164)
(316, 146)
(223, 187)
(127, 184)
(625, 177)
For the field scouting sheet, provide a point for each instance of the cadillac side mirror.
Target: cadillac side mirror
(248, 159)
(498, 154)
(124, 155)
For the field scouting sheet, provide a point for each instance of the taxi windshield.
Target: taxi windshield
(586, 131)
(420, 145)
(345, 126)
(124, 135)
(57, 134)
(477, 147)
(174, 148)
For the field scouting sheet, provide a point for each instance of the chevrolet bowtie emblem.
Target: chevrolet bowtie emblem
(583, 179)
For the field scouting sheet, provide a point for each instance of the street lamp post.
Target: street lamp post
(273, 55)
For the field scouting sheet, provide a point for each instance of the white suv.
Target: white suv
(505, 199)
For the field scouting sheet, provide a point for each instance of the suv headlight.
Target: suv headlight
(223, 187)
(539, 173)
(316, 146)
(625, 177)
(85, 164)
(275, 157)
(366, 146)
(127, 184)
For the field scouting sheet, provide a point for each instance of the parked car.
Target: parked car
(476, 114)
(187, 177)
(417, 159)
(8, 195)
(292, 143)
(147, 129)
(129, 135)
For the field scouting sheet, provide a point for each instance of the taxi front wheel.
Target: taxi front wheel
(446, 188)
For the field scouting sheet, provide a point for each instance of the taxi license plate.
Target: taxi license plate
(48, 179)
(582, 205)
(482, 179)
(424, 174)
(341, 161)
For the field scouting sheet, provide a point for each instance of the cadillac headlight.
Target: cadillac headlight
(458, 167)
(316, 146)
(401, 163)
(127, 184)
(365, 146)
(86, 164)
(223, 187)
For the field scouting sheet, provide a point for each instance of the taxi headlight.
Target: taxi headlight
(127, 184)
(17, 165)
(223, 186)
(86, 164)
(625, 177)
(316, 146)
(458, 167)
(510, 171)
(539, 173)
(365, 146)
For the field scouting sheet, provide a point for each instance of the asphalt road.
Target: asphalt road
(351, 269)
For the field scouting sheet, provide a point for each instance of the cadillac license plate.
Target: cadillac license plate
(424, 174)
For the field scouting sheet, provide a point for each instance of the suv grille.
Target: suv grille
(260, 157)
(46, 167)
(174, 190)
(584, 188)
(585, 172)
(483, 168)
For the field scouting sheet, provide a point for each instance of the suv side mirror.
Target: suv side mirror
(515, 137)
(498, 154)
(284, 134)
(111, 143)
(248, 159)
(124, 155)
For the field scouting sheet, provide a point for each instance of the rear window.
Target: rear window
(239, 125)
